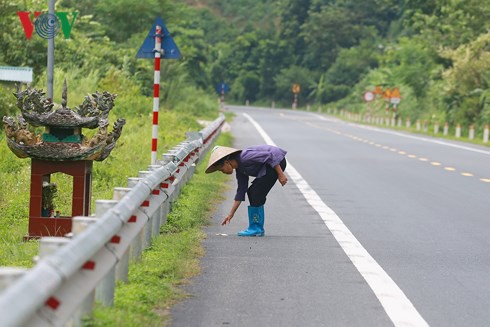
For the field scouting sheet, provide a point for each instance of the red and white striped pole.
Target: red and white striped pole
(156, 93)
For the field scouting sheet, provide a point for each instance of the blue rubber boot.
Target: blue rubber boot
(255, 222)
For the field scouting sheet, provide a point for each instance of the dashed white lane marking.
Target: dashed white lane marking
(397, 306)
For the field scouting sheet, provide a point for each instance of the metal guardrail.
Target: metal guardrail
(72, 272)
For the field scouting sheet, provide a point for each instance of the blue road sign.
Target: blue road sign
(223, 88)
(170, 49)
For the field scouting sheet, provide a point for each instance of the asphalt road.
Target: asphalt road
(374, 228)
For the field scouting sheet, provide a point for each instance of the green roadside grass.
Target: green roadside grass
(154, 282)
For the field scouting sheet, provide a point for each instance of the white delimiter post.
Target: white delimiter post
(79, 225)
(156, 93)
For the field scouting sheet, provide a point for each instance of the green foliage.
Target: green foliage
(468, 80)
(349, 68)
(412, 63)
(285, 80)
(7, 105)
(326, 32)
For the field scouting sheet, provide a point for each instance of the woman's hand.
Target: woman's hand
(234, 208)
(282, 179)
(227, 220)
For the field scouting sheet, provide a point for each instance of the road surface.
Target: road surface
(374, 228)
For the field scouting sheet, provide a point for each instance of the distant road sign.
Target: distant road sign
(170, 49)
(387, 94)
(395, 96)
(368, 96)
(223, 88)
(296, 88)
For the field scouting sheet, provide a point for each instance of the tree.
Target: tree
(468, 79)
(412, 63)
(293, 14)
(449, 23)
(122, 18)
(326, 32)
(289, 76)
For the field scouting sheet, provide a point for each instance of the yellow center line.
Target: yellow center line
(412, 156)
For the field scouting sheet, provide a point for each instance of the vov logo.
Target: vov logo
(47, 25)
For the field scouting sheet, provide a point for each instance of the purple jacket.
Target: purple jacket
(252, 162)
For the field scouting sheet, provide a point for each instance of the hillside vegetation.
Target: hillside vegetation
(436, 52)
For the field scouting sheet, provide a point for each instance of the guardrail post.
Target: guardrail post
(104, 292)
(48, 246)
(146, 232)
(163, 210)
(153, 229)
(166, 158)
(458, 131)
(446, 129)
(485, 134)
(80, 224)
(137, 244)
(472, 132)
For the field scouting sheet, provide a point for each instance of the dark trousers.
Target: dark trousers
(257, 192)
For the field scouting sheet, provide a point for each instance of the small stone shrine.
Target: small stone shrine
(62, 148)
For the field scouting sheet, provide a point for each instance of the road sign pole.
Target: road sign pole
(157, 45)
(222, 99)
(156, 93)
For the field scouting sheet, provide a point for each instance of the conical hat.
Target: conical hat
(218, 153)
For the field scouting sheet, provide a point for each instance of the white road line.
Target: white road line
(453, 145)
(397, 306)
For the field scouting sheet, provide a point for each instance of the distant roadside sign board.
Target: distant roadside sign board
(296, 88)
(368, 96)
(395, 96)
(223, 88)
(16, 74)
